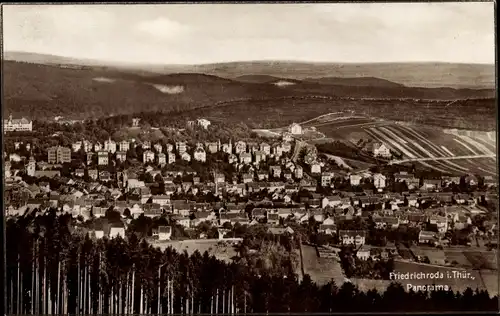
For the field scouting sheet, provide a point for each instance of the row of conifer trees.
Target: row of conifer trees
(52, 269)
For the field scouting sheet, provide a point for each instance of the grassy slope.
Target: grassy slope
(472, 114)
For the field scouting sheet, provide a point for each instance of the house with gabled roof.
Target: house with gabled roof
(363, 252)
(381, 150)
(164, 232)
(203, 216)
(227, 218)
(355, 179)
(273, 218)
(379, 181)
(352, 237)
(181, 207)
(431, 184)
(426, 237)
(184, 221)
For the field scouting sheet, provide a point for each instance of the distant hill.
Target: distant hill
(46, 91)
(431, 75)
(263, 79)
(357, 82)
(416, 74)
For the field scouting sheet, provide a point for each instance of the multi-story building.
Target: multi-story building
(203, 123)
(277, 151)
(259, 156)
(146, 145)
(186, 156)
(148, 156)
(90, 158)
(124, 146)
(355, 179)
(181, 147)
(227, 147)
(158, 147)
(315, 168)
(121, 156)
(200, 154)
(266, 148)
(162, 159)
(59, 154)
(245, 158)
(352, 237)
(379, 180)
(169, 147)
(171, 157)
(295, 129)
(110, 146)
(326, 179)
(102, 158)
(381, 150)
(240, 147)
(76, 146)
(212, 147)
(22, 124)
(97, 146)
(85, 144)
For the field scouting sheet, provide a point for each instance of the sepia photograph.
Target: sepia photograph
(249, 158)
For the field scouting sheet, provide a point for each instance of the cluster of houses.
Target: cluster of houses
(163, 154)
(388, 210)
(281, 180)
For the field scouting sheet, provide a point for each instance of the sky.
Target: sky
(209, 33)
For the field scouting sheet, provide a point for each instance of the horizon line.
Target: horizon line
(238, 61)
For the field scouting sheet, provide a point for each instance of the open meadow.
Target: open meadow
(321, 270)
(222, 250)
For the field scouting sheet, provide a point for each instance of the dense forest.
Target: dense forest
(53, 268)
(43, 91)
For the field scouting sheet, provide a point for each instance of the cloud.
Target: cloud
(186, 34)
(162, 28)
(283, 83)
(169, 89)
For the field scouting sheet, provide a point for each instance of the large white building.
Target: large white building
(110, 146)
(200, 154)
(379, 180)
(124, 146)
(22, 124)
(381, 150)
(102, 158)
(203, 123)
(295, 129)
(148, 156)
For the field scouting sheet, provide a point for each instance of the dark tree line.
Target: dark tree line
(55, 268)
